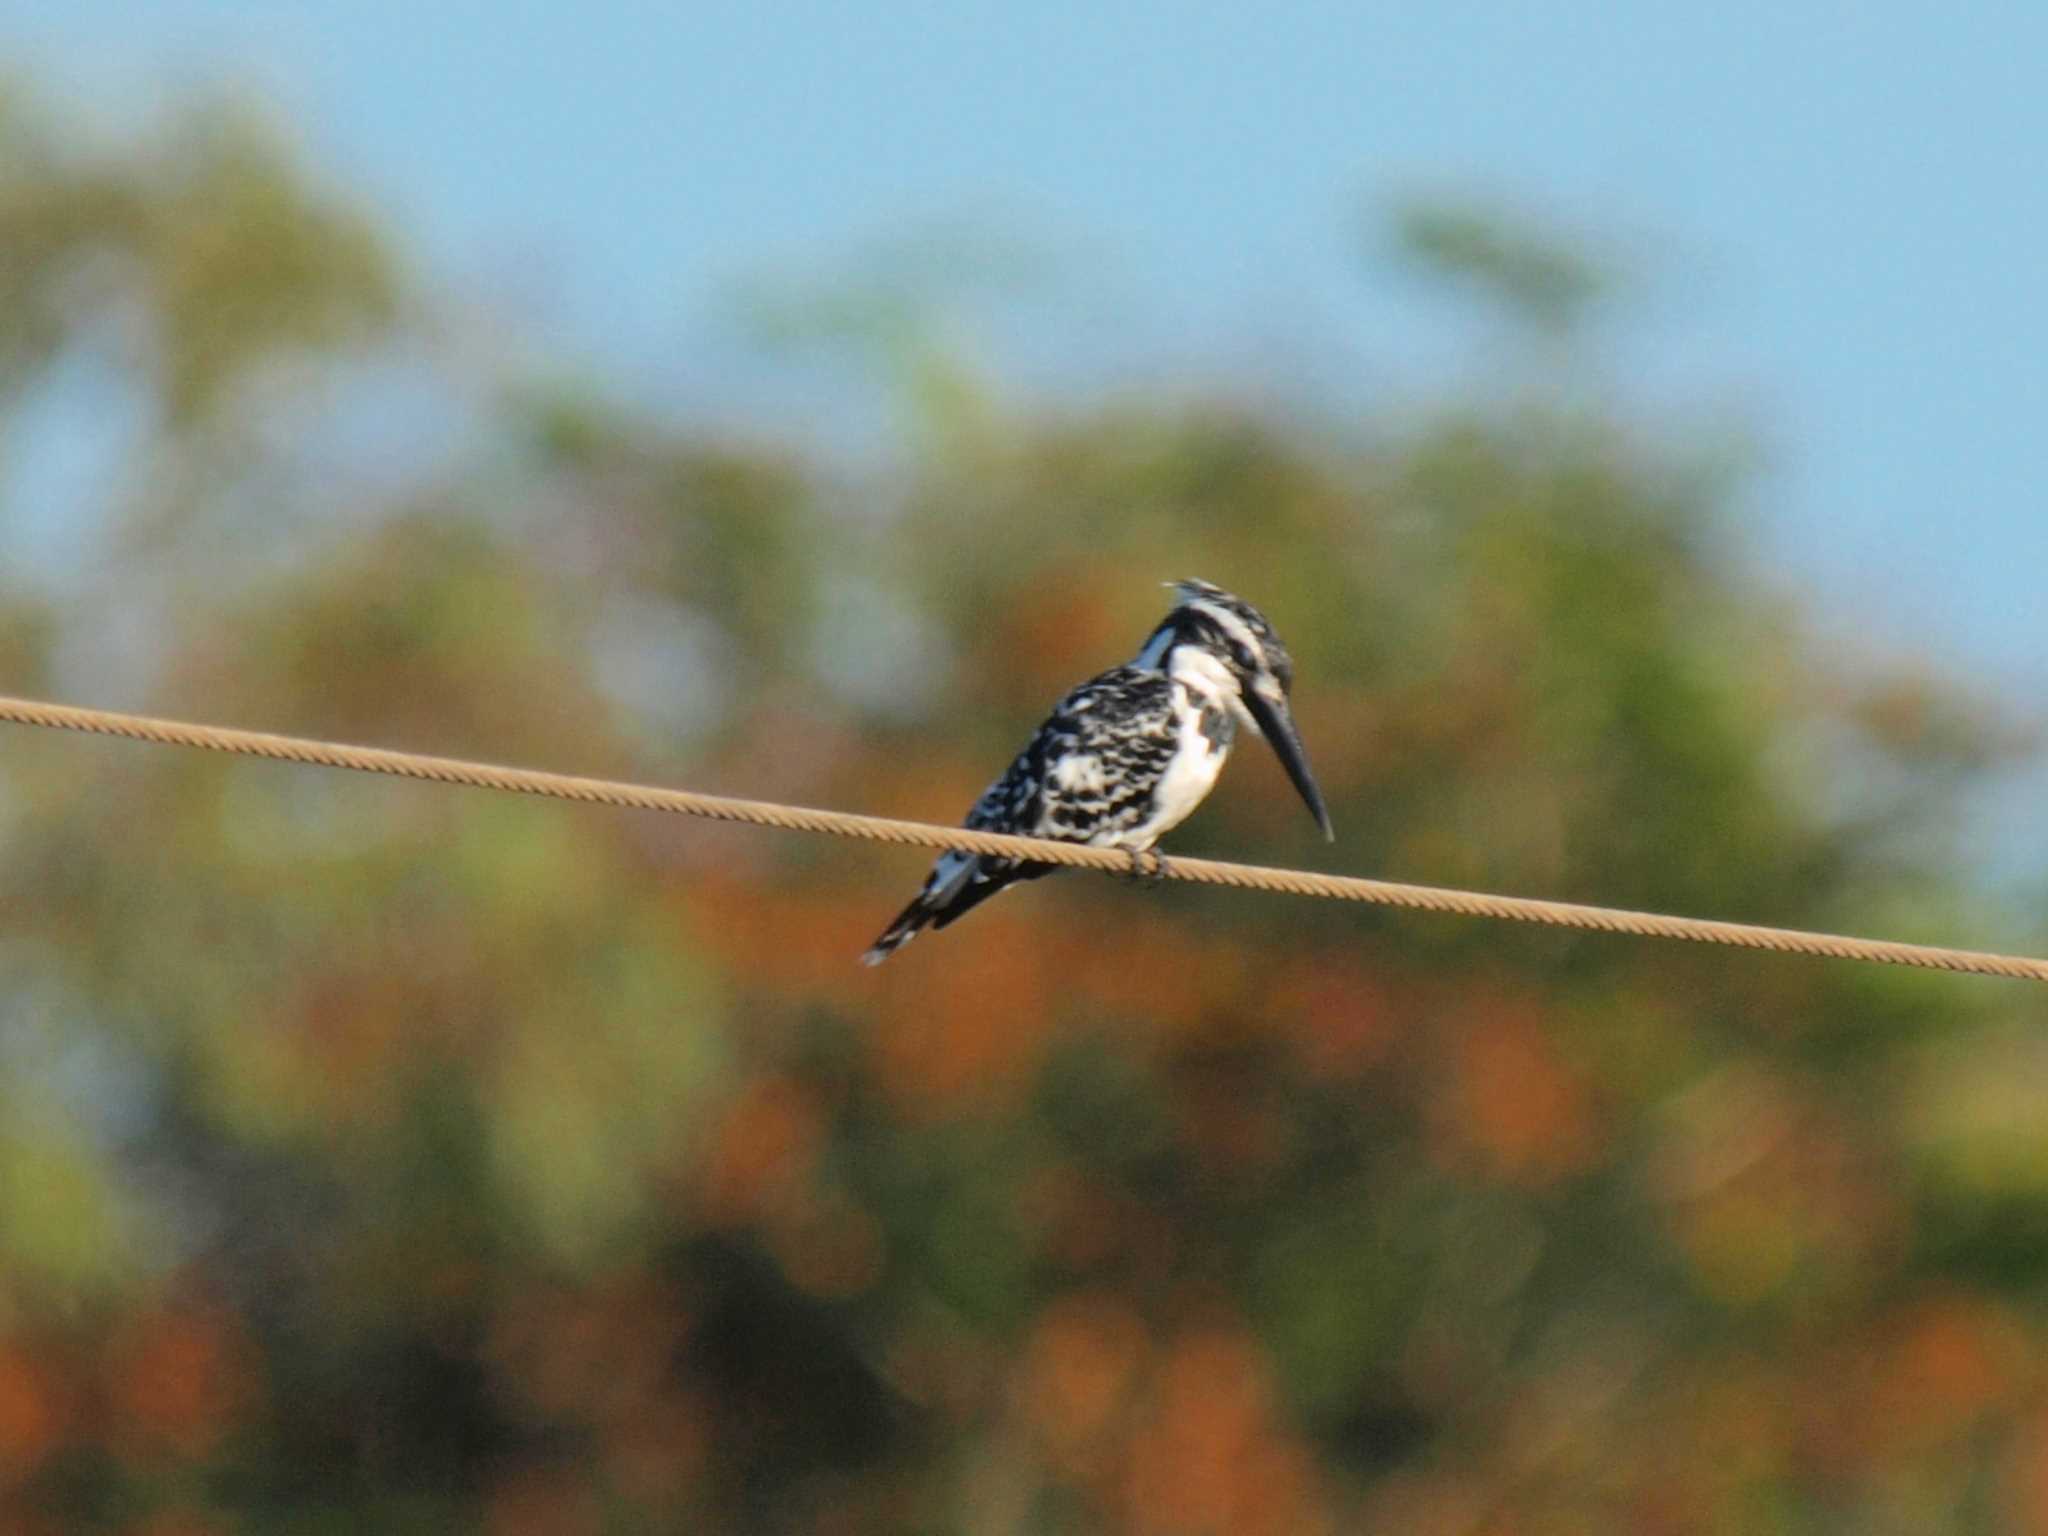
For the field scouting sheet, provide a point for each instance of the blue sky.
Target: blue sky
(1840, 208)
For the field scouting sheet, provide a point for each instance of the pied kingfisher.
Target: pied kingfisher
(1127, 757)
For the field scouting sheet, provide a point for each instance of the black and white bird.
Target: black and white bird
(1126, 757)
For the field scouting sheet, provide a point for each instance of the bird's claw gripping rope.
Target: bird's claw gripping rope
(1149, 866)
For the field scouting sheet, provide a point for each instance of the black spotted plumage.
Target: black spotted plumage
(1122, 758)
(1124, 721)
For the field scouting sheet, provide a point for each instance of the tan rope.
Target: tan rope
(760, 813)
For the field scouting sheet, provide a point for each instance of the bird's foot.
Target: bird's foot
(1148, 866)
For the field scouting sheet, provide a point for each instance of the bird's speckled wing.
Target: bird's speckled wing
(1087, 776)
(1090, 771)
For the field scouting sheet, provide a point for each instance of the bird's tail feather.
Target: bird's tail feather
(910, 922)
(948, 878)
(949, 896)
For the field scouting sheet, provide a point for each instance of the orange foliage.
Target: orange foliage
(1085, 1224)
(1209, 1457)
(33, 1414)
(595, 1356)
(766, 1143)
(953, 1032)
(176, 1380)
(784, 941)
(1231, 1131)
(1765, 1188)
(930, 784)
(1077, 1371)
(2026, 1476)
(1159, 975)
(829, 1252)
(1073, 632)
(1951, 1360)
(1737, 1421)
(352, 1025)
(656, 1455)
(1512, 1100)
(1337, 1009)
(601, 1357)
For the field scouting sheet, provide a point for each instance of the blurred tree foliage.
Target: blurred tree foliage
(383, 1156)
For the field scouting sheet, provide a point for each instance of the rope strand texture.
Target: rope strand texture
(760, 813)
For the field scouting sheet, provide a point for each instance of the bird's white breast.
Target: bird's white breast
(1200, 684)
(1190, 775)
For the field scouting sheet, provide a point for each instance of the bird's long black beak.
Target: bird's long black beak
(1276, 724)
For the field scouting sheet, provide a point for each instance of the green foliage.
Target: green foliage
(211, 240)
(383, 1155)
(1546, 284)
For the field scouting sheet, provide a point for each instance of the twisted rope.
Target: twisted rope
(762, 813)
